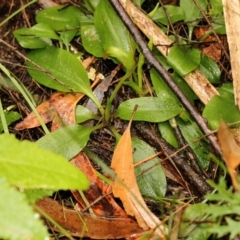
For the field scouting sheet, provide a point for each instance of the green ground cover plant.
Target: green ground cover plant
(52, 63)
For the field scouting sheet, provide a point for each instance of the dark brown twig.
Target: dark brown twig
(151, 59)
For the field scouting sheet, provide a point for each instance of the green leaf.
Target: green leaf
(192, 13)
(150, 176)
(196, 230)
(210, 69)
(111, 29)
(17, 219)
(61, 18)
(218, 23)
(216, 7)
(91, 41)
(183, 59)
(162, 90)
(83, 114)
(191, 133)
(167, 133)
(221, 108)
(26, 39)
(67, 70)
(151, 109)
(67, 141)
(10, 118)
(26, 165)
(174, 13)
(32, 195)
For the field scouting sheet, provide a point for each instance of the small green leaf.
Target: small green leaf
(83, 114)
(67, 141)
(28, 40)
(183, 59)
(67, 70)
(26, 165)
(150, 176)
(167, 133)
(17, 219)
(191, 133)
(91, 41)
(151, 109)
(174, 13)
(10, 118)
(210, 69)
(221, 108)
(192, 12)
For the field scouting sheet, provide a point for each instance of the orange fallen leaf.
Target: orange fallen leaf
(86, 225)
(230, 150)
(125, 187)
(60, 108)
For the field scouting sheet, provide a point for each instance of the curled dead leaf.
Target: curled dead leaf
(230, 150)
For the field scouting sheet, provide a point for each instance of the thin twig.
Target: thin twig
(152, 60)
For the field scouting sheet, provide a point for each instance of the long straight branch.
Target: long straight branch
(152, 60)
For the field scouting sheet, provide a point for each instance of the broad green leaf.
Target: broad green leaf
(191, 133)
(83, 114)
(67, 141)
(91, 41)
(10, 118)
(167, 133)
(150, 176)
(17, 219)
(62, 19)
(26, 165)
(151, 109)
(67, 70)
(183, 59)
(174, 13)
(196, 230)
(111, 29)
(221, 108)
(210, 69)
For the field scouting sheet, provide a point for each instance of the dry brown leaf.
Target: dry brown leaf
(59, 108)
(230, 150)
(101, 206)
(86, 225)
(125, 187)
